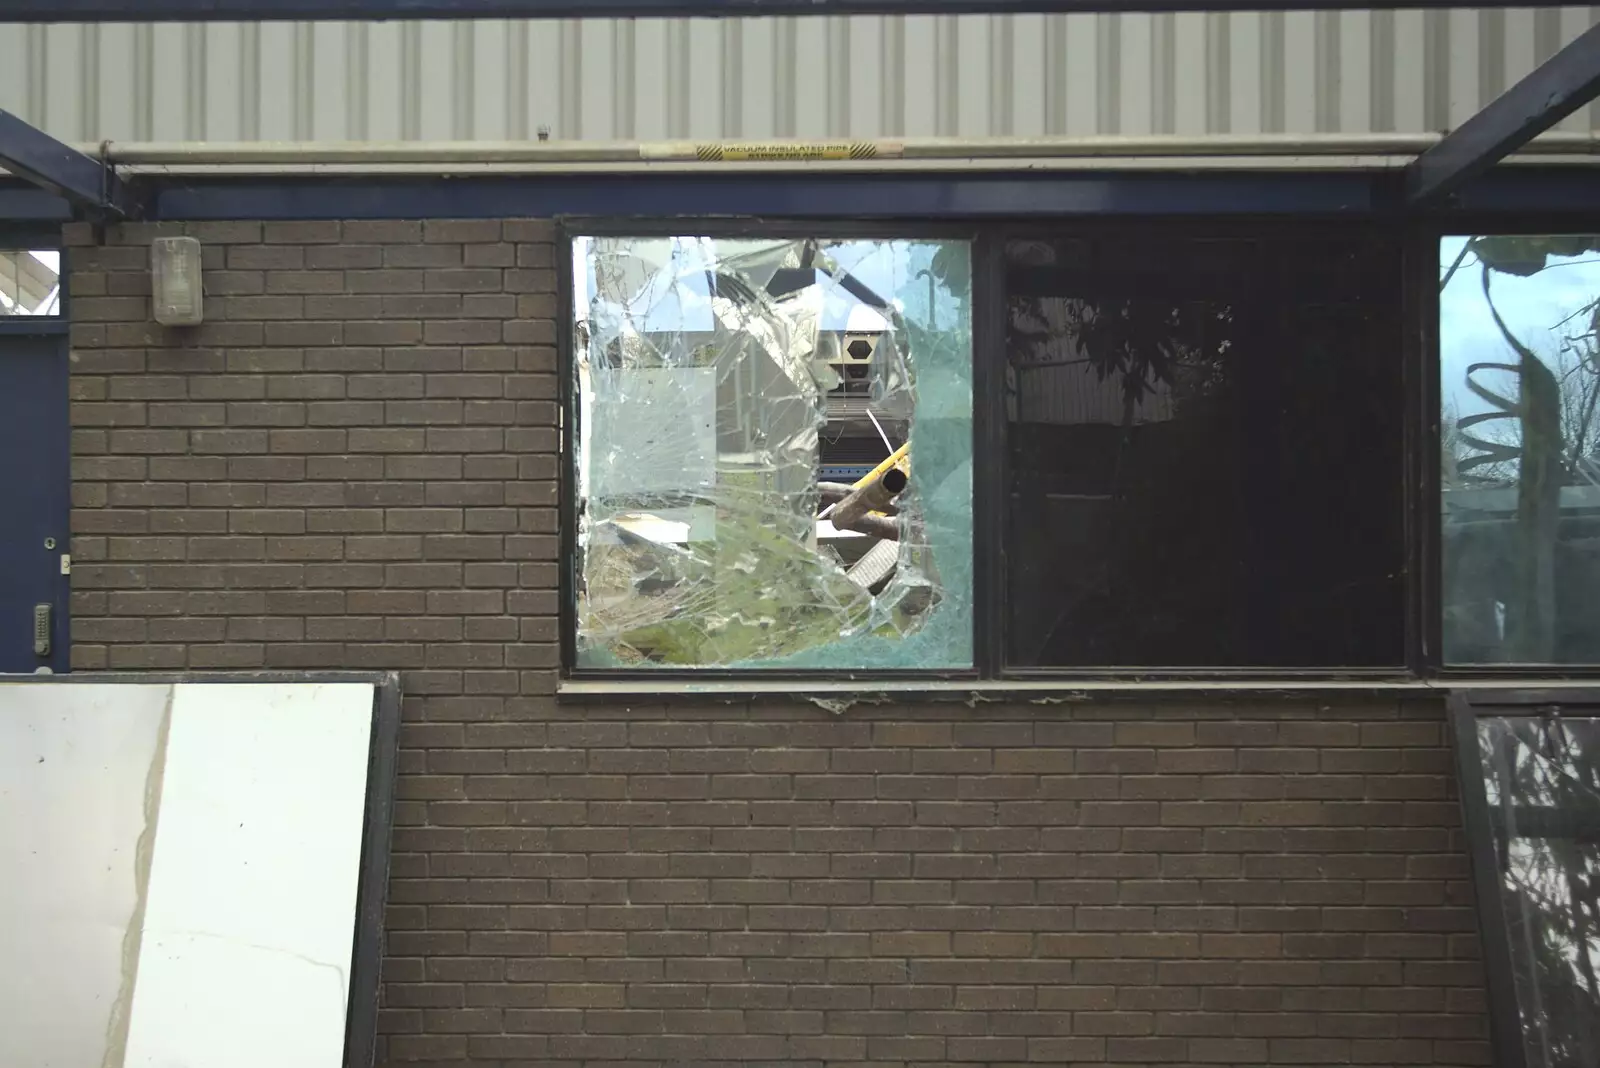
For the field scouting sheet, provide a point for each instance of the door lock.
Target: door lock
(41, 630)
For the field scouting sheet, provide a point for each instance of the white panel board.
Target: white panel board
(75, 763)
(250, 909)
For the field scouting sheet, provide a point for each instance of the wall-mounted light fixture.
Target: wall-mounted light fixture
(175, 285)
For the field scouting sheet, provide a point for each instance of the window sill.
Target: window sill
(843, 692)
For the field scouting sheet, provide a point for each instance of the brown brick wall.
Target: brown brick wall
(353, 465)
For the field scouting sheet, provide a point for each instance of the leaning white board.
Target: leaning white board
(182, 869)
(74, 765)
(249, 920)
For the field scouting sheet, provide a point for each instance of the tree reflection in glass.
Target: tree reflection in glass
(1519, 432)
(1542, 779)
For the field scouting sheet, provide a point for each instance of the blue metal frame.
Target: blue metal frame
(37, 349)
(789, 195)
(1557, 88)
(375, 10)
(21, 202)
(28, 233)
(35, 156)
(833, 196)
(920, 196)
(33, 326)
(1549, 192)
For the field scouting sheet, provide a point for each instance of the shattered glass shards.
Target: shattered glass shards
(735, 396)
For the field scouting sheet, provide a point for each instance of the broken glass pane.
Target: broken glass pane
(774, 453)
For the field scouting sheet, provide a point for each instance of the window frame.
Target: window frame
(1429, 517)
(25, 237)
(570, 228)
(1466, 708)
(1415, 311)
(1405, 668)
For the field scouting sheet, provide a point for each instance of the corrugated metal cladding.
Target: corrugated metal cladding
(863, 77)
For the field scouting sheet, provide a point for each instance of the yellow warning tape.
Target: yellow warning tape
(770, 151)
(785, 152)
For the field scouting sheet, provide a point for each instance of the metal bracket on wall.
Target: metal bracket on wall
(90, 184)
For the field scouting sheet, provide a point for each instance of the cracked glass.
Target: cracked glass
(773, 453)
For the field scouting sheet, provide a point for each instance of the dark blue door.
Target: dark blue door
(35, 488)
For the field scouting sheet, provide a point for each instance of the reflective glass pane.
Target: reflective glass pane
(1520, 444)
(1205, 450)
(30, 282)
(774, 452)
(1542, 777)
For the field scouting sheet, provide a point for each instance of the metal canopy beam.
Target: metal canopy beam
(373, 10)
(1563, 84)
(36, 157)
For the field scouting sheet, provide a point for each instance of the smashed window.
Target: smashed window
(773, 453)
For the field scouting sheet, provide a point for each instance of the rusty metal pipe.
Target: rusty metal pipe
(872, 495)
(876, 525)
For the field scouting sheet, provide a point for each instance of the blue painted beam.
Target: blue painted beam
(1529, 190)
(801, 195)
(23, 203)
(37, 158)
(377, 10)
(1561, 85)
(909, 197)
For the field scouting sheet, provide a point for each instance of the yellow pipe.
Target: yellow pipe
(893, 458)
(877, 472)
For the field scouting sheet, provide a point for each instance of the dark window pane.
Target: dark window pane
(1520, 392)
(1542, 780)
(1206, 459)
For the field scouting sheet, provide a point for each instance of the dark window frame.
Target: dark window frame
(1465, 710)
(1415, 309)
(1427, 512)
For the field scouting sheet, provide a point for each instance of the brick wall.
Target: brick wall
(352, 465)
